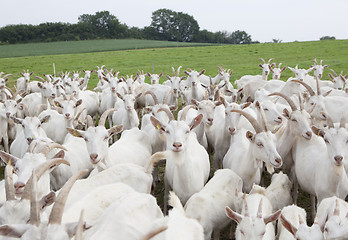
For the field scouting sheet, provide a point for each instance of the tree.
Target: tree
(104, 24)
(240, 37)
(174, 26)
(328, 38)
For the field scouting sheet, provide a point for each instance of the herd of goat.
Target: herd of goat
(82, 164)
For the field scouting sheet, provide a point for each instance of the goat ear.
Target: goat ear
(56, 103)
(173, 107)
(288, 226)
(286, 113)
(233, 215)
(194, 102)
(157, 124)
(114, 130)
(60, 154)
(196, 121)
(14, 230)
(76, 133)
(260, 65)
(245, 105)
(78, 103)
(272, 217)
(318, 131)
(16, 120)
(45, 119)
(8, 158)
(250, 136)
(47, 200)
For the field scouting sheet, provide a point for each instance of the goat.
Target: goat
(260, 148)
(207, 206)
(293, 225)
(278, 192)
(183, 155)
(36, 229)
(255, 220)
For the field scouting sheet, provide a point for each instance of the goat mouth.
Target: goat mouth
(279, 121)
(176, 149)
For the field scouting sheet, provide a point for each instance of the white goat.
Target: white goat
(332, 217)
(254, 149)
(177, 225)
(208, 205)
(278, 192)
(122, 151)
(293, 225)
(184, 154)
(255, 220)
(130, 217)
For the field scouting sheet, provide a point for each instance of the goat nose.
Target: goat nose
(19, 185)
(29, 140)
(53, 95)
(93, 157)
(210, 120)
(278, 161)
(67, 115)
(177, 145)
(338, 159)
(8, 114)
(309, 134)
(232, 130)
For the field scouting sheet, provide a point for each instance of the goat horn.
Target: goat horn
(79, 228)
(39, 171)
(165, 98)
(269, 60)
(185, 111)
(251, 119)
(301, 103)
(246, 210)
(34, 204)
(58, 207)
(337, 209)
(90, 121)
(318, 86)
(168, 112)
(290, 102)
(259, 210)
(10, 194)
(155, 99)
(40, 78)
(104, 116)
(309, 88)
(79, 113)
(7, 75)
(173, 71)
(321, 62)
(263, 60)
(47, 148)
(329, 121)
(154, 232)
(178, 72)
(315, 61)
(10, 90)
(343, 122)
(262, 112)
(334, 72)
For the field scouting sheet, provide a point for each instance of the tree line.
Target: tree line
(165, 25)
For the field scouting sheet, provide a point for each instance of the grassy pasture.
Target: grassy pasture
(243, 59)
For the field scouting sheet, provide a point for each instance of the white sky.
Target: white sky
(287, 20)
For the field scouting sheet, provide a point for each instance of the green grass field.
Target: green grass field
(243, 59)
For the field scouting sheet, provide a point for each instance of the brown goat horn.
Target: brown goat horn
(154, 97)
(10, 192)
(185, 111)
(105, 115)
(39, 171)
(309, 88)
(286, 98)
(251, 119)
(58, 207)
(168, 112)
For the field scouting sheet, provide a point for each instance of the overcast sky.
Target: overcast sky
(287, 20)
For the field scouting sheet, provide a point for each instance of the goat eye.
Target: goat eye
(241, 232)
(294, 120)
(86, 139)
(167, 132)
(325, 139)
(187, 132)
(260, 145)
(265, 109)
